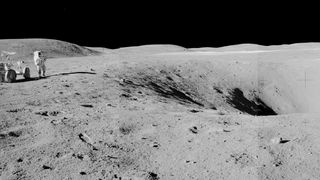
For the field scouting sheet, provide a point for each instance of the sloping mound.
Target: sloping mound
(238, 47)
(24, 48)
(160, 48)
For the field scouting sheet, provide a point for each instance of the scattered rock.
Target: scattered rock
(2, 136)
(112, 157)
(194, 111)
(15, 134)
(85, 138)
(169, 78)
(282, 141)
(155, 145)
(46, 167)
(275, 140)
(55, 122)
(79, 156)
(110, 105)
(221, 113)
(15, 110)
(42, 113)
(87, 105)
(125, 95)
(20, 160)
(54, 113)
(58, 154)
(152, 176)
(277, 161)
(194, 130)
(218, 90)
(46, 113)
(278, 140)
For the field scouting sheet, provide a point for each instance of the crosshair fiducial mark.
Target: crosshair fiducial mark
(305, 79)
(261, 81)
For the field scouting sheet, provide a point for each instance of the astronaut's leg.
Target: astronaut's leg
(39, 71)
(44, 70)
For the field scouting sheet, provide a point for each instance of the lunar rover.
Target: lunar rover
(7, 74)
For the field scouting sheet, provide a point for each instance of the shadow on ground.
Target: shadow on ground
(59, 74)
(78, 72)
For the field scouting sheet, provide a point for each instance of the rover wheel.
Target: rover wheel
(10, 76)
(26, 73)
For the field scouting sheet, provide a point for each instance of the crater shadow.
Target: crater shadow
(254, 107)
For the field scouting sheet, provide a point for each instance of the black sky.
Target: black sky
(188, 24)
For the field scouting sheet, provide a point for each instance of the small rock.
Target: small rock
(153, 176)
(87, 105)
(282, 141)
(155, 144)
(278, 140)
(194, 130)
(85, 138)
(54, 113)
(194, 111)
(46, 167)
(55, 122)
(275, 140)
(43, 113)
(14, 134)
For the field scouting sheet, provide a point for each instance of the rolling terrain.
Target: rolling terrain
(163, 112)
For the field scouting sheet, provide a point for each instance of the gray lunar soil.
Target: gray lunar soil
(164, 112)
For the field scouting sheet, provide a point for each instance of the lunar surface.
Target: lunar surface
(162, 112)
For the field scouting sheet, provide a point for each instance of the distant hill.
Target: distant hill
(24, 48)
(151, 48)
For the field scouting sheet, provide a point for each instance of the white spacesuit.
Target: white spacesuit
(39, 61)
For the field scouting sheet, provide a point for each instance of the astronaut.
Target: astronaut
(39, 61)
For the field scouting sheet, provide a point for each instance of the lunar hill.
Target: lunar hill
(24, 48)
(165, 112)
